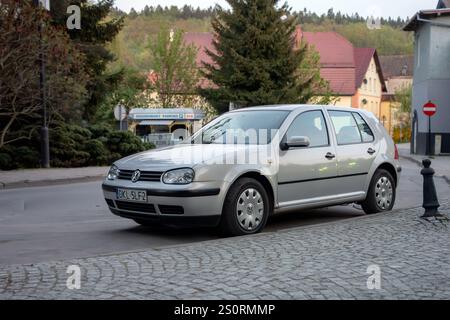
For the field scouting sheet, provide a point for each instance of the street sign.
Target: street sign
(429, 109)
(120, 112)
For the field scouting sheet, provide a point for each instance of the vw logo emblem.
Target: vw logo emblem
(136, 175)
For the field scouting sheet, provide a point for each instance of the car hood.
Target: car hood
(182, 155)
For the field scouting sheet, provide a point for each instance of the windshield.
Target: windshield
(244, 127)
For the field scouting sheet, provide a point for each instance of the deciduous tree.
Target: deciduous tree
(21, 46)
(175, 75)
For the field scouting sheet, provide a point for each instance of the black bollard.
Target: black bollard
(430, 200)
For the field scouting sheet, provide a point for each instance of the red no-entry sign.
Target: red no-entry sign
(429, 109)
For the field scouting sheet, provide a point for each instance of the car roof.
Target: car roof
(293, 107)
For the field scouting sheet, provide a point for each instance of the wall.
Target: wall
(432, 79)
(342, 101)
(386, 115)
(432, 75)
(370, 91)
(398, 83)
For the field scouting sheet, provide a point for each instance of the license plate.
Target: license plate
(132, 195)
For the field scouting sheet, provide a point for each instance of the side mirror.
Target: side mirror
(295, 142)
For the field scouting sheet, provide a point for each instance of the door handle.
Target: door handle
(330, 156)
(371, 151)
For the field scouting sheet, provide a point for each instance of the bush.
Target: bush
(6, 162)
(405, 134)
(99, 154)
(26, 157)
(100, 131)
(75, 146)
(13, 157)
(66, 146)
(126, 143)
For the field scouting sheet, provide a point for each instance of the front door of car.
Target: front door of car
(356, 149)
(307, 172)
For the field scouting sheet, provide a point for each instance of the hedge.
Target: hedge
(74, 146)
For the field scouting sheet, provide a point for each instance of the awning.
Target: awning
(156, 123)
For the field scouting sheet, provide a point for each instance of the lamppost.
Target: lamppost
(45, 148)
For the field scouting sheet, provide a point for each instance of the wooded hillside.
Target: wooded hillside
(131, 43)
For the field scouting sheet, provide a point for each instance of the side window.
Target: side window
(347, 131)
(366, 133)
(310, 124)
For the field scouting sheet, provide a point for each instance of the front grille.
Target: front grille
(145, 175)
(171, 209)
(139, 207)
(110, 203)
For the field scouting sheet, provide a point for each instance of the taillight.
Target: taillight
(396, 157)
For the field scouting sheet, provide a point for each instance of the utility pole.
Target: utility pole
(45, 148)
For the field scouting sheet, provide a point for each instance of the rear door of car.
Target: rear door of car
(356, 149)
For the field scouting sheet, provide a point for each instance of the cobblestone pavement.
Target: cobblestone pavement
(326, 261)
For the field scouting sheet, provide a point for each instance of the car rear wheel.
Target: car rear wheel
(246, 208)
(381, 195)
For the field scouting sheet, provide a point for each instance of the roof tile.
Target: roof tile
(342, 65)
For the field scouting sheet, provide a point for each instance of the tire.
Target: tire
(381, 195)
(244, 200)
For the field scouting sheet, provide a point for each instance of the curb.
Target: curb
(44, 183)
(412, 159)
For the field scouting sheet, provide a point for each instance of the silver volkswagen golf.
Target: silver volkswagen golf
(249, 164)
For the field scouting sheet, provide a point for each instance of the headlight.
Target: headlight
(113, 173)
(178, 176)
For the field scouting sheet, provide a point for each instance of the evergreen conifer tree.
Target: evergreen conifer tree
(257, 60)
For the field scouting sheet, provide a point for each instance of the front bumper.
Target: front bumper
(198, 204)
(175, 221)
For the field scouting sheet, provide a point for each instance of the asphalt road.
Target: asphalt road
(70, 221)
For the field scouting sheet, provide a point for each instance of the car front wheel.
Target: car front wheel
(246, 208)
(381, 195)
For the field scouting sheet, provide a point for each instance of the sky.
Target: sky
(377, 8)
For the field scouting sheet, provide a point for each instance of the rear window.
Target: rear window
(351, 128)
(366, 132)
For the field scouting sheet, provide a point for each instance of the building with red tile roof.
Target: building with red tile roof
(203, 41)
(398, 75)
(354, 74)
(336, 59)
